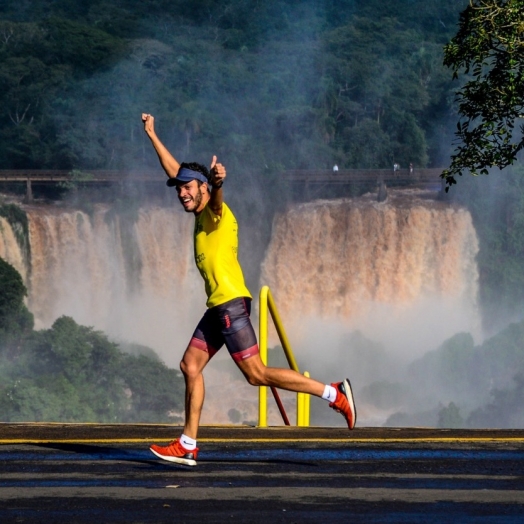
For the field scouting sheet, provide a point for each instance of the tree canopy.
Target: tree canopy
(266, 85)
(75, 373)
(488, 51)
(15, 319)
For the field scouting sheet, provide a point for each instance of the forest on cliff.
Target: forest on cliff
(265, 85)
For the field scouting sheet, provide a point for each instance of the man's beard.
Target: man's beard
(196, 202)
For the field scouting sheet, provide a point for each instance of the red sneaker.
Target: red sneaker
(176, 452)
(344, 402)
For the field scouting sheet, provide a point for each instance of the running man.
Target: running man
(227, 319)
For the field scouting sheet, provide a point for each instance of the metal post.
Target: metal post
(267, 302)
(307, 404)
(29, 191)
(303, 405)
(442, 193)
(281, 332)
(262, 322)
(300, 409)
(382, 189)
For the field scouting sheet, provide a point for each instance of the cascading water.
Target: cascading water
(337, 258)
(132, 278)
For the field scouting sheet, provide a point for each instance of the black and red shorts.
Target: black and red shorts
(228, 324)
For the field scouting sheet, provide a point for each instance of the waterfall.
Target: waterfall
(403, 272)
(133, 278)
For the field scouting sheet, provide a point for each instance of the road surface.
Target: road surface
(60, 473)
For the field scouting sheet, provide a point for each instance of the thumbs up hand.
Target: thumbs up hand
(218, 173)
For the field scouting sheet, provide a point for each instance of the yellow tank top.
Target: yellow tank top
(216, 248)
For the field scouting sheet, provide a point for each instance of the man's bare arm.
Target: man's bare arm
(167, 161)
(218, 175)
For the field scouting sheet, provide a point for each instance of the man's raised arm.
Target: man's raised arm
(167, 161)
(218, 175)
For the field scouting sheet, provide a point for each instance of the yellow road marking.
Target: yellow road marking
(270, 440)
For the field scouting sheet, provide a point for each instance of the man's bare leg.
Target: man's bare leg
(193, 363)
(339, 394)
(257, 374)
(184, 450)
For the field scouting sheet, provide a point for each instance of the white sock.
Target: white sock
(188, 442)
(330, 394)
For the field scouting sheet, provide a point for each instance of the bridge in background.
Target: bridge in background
(55, 176)
(311, 183)
(307, 183)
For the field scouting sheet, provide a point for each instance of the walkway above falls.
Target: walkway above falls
(308, 184)
(305, 183)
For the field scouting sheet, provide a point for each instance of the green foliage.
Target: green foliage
(374, 77)
(266, 85)
(501, 357)
(138, 349)
(489, 49)
(463, 374)
(155, 391)
(71, 347)
(15, 319)
(40, 62)
(384, 394)
(448, 368)
(74, 373)
(368, 146)
(73, 43)
(496, 204)
(22, 400)
(83, 359)
(368, 359)
(505, 411)
(26, 82)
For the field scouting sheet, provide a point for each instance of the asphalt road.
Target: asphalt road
(105, 474)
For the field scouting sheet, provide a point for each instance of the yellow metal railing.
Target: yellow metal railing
(303, 399)
(303, 407)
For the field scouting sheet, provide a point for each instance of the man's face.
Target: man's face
(190, 196)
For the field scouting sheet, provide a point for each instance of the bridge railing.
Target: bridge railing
(310, 179)
(349, 175)
(57, 175)
(302, 175)
(325, 183)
